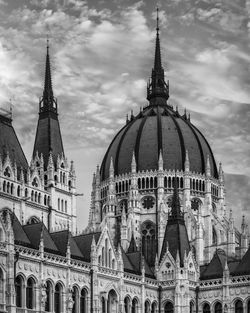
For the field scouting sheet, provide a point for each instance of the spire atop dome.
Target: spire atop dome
(157, 89)
(48, 101)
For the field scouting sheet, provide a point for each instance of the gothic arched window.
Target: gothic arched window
(126, 304)
(218, 308)
(19, 291)
(238, 306)
(146, 307)
(83, 301)
(206, 308)
(48, 297)
(214, 237)
(154, 307)
(195, 204)
(58, 298)
(134, 306)
(148, 242)
(168, 308)
(75, 298)
(30, 297)
(248, 306)
(103, 305)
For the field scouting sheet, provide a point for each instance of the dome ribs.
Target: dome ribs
(103, 165)
(215, 174)
(159, 131)
(183, 149)
(199, 145)
(137, 143)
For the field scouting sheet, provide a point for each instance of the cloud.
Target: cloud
(102, 54)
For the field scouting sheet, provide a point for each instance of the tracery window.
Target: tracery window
(206, 308)
(19, 291)
(58, 298)
(75, 298)
(168, 308)
(148, 242)
(134, 306)
(126, 304)
(30, 297)
(154, 306)
(103, 305)
(83, 301)
(195, 204)
(48, 297)
(238, 306)
(218, 308)
(214, 237)
(146, 307)
(7, 172)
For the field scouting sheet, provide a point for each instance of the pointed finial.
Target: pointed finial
(221, 178)
(133, 163)
(187, 163)
(111, 168)
(157, 21)
(160, 161)
(208, 166)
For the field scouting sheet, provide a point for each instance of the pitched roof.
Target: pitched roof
(135, 259)
(61, 240)
(215, 268)
(19, 234)
(84, 242)
(34, 231)
(243, 268)
(10, 144)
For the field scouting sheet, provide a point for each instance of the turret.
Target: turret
(133, 164)
(208, 167)
(231, 235)
(244, 237)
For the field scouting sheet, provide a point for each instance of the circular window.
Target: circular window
(148, 202)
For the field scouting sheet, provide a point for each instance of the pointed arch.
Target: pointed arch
(168, 307)
(58, 298)
(49, 294)
(148, 231)
(30, 293)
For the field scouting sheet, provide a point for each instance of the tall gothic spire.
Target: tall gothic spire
(48, 101)
(157, 89)
(48, 135)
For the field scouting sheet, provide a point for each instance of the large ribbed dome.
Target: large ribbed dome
(158, 127)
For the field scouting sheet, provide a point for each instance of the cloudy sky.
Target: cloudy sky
(102, 55)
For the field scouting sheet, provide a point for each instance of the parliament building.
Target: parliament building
(160, 238)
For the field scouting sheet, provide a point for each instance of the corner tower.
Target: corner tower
(49, 164)
(48, 135)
